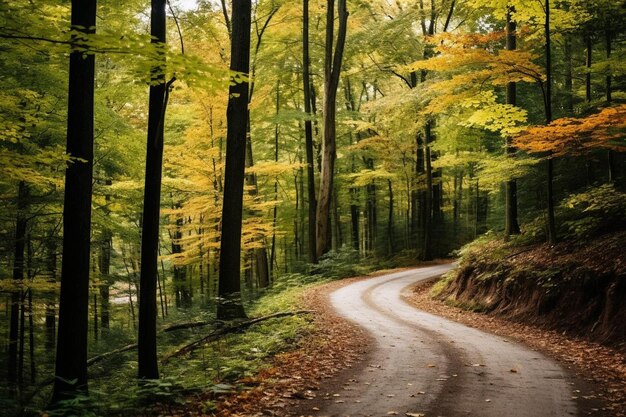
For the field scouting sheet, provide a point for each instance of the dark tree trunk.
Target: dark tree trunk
(569, 75)
(51, 266)
(275, 210)
(105, 266)
(428, 196)
(354, 217)
(588, 62)
(18, 275)
(179, 279)
(552, 236)
(337, 221)
(511, 225)
(608, 75)
(259, 255)
(332, 70)
(419, 195)
(71, 353)
(390, 247)
(308, 132)
(148, 367)
(31, 338)
(609, 98)
(230, 306)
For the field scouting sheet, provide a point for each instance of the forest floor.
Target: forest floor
(601, 366)
(298, 374)
(319, 371)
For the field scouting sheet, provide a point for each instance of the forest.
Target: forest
(177, 176)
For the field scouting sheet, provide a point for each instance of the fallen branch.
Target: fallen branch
(90, 362)
(520, 252)
(227, 330)
(98, 358)
(187, 325)
(187, 348)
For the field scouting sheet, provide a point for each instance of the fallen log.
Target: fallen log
(98, 358)
(188, 325)
(227, 330)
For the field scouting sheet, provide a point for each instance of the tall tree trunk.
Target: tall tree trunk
(420, 193)
(588, 62)
(18, 275)
(31, 338)
(332, 70)
(104, 267)
(338, 233)
(51, 267)
(230, 305)
(147, 347)
(354, 218)
(71, 353)
(569, 75)
(511, 225)
(609, 99)
(552, 236)
(308, 131)
(390, 248)
(275, 210)
(608, 36)
(259, 255)
(428, 196)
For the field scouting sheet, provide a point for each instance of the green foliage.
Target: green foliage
(599, 208)
(79, 406)
(340, 263)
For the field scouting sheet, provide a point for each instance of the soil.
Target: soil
(574, 287)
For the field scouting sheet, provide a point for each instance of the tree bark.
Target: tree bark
(308, 132)
(51, 267)
(588, 62)
(390, 246)
(230, 305)
(71, 353)
(147, 353)
(428, 196)
(608, 39)
(569, 75)
(17, 304)
(511, 226)
(332, 70)
(552, 236)
(104, 267)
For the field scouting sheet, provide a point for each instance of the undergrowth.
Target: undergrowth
(222, 366)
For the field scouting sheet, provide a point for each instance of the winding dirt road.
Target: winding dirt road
(424, 365)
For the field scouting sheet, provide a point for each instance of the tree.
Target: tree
(229, 306)
(308, 133)
(71, 353)
(147, 346)
(551, 222)
(511, 225)
(332, 69)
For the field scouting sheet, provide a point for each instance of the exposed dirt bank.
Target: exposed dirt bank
(575, 288)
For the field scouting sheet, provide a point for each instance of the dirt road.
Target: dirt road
(424, 365)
